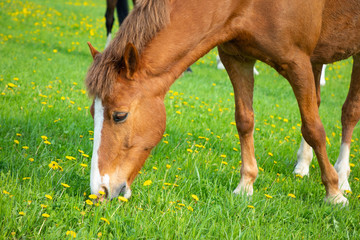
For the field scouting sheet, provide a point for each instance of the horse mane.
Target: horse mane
(146, 19)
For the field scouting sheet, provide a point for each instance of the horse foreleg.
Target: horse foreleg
(305, 152)
(349, 118)
(240, 71)
(300, 75)
(109, 18)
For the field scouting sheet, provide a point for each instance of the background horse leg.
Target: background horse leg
(349, 118)
(300, 75)
(109, 16)
(240, 71)
(122, 10)
(305, 152)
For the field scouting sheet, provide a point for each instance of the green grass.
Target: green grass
(44, 53)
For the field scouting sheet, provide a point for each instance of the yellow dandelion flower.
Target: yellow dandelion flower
(123, 199)
(45, 215)
(190, 208)
(291, 195)
(99, 234)
(92, 196)
(83, 165)
(348, 191)
(105, 220)
(270, 154)
(225, 163)
(48, 196)
(89, 202)
(44, 138)
(16, 141)
(101, 193)
(54, 165)
(47, 142)
(71, 233)
(6, 192)
(189, 150)
(25, 147)
(147, 183)
(195, 197)
(12, 85)
(251, 206)
(70, 158)
(168, 166)
(85, 155)
(352, 165)
(43, 206)
(65, 185)
(261, 169)
(268, 196)
(21, 213)
(155, 168)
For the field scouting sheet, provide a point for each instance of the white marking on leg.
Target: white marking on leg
(220, 65)
(96, 181)
(342, 167)
(108, 40)
(304, 157)
(322, 77)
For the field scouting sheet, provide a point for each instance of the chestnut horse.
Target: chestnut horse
(161, 38)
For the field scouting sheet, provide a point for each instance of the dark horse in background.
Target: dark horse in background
(122, 9)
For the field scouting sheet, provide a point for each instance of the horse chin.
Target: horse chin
(122, 189)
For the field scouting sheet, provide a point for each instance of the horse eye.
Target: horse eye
(120, 117)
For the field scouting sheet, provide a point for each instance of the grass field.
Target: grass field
(46, 145)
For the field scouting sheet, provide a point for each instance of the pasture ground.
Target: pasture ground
(46, 145)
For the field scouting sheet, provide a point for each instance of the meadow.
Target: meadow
(184, 190)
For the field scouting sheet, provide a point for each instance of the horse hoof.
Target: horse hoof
(337, 199)
(301, 170)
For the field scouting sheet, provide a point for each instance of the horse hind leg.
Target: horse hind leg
(300, 75)
(240, 71)
(349, 118)
(305, 152)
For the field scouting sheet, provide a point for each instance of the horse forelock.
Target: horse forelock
(146, 19)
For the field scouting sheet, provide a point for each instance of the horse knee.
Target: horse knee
(314, 134)
(245, 123)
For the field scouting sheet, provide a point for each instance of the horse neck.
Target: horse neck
(189, 35)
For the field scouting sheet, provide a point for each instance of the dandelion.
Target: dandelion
(190, 208)
(168, 166)
(352, 165)
(225, 163)
(43, 206)
(21, 213)
(92, 196)
(54, 165)
(261, 169)
(48, 196)
(85, 155)
(189, 150)
(123, 199)
(99, 234)
(71, 233)
(155, 168)
(223, 155)
(89, 202)
(291, 195)
(70, 158)
(25, 147)
(83, 165)
(268, 196)
(251, 206)
(6, 192)
(105, 220)
(45, 215)
(195, 197)
(12, 85)
(16, 141)
(44, 138)
(270, 154)
(65, 185)
(147, 183)
(47, 142)
(348, 191)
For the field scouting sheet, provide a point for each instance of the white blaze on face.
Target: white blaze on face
(96, 181)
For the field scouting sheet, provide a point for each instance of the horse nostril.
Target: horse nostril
(105, 193)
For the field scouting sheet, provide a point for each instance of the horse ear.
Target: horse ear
(93, 51)
(131, 60)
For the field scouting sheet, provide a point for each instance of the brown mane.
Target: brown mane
(142, 24)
